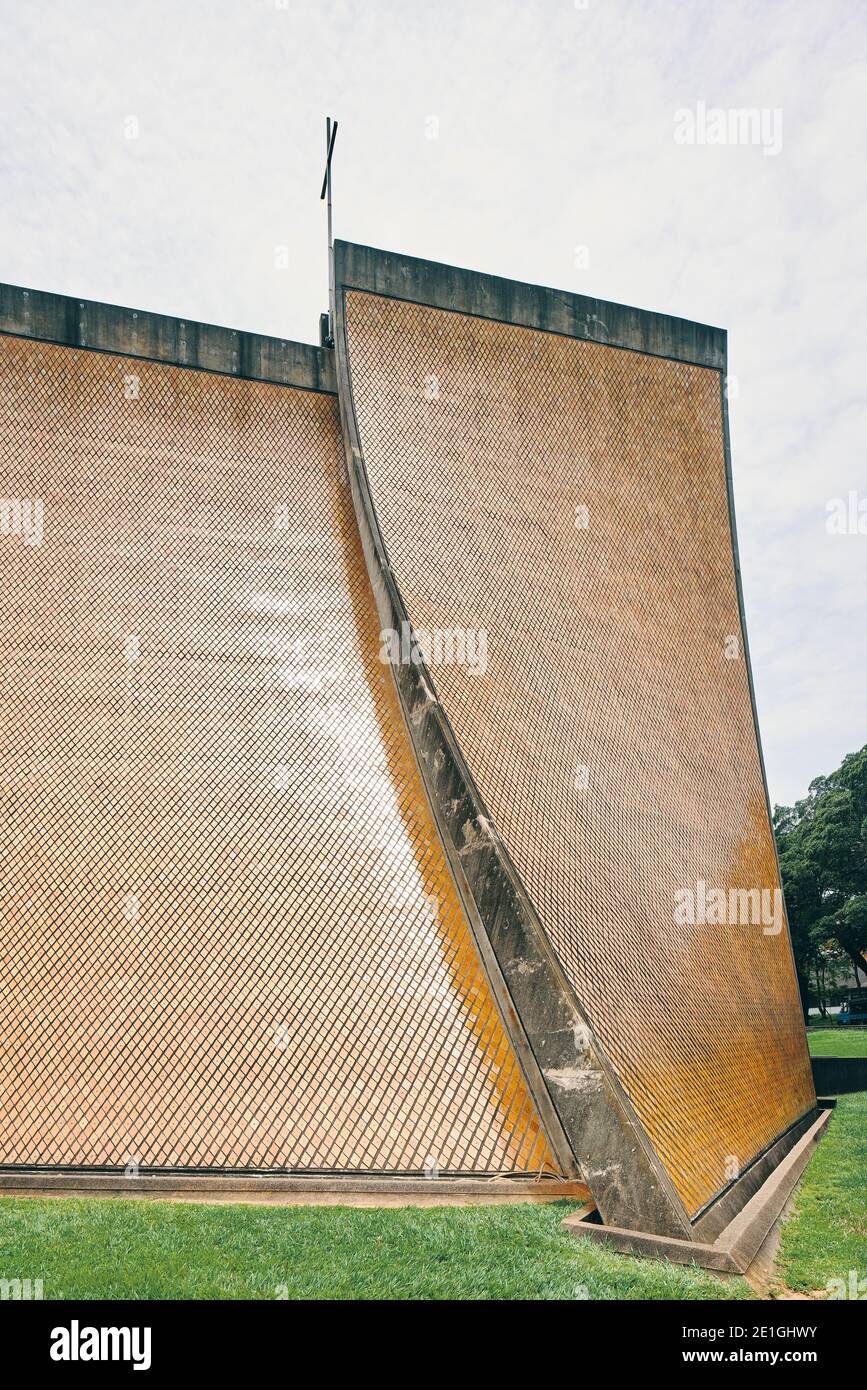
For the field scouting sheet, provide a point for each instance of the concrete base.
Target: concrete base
(290, 1189)
(737, 1244)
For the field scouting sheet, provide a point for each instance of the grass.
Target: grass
(826, 1236)
(122, 1248)
(849, 1041)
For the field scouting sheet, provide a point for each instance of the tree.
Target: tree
(822, 842)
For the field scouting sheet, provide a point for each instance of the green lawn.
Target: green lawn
(838, 1042)
(121, 1248)
(827, 1234)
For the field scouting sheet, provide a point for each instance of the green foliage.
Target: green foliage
(822, 842)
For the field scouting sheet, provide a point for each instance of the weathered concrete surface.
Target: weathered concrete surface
(531, 306)
(740, 1241)
(333, 1190)
(837, 1076)
(744, 1236)
(654, 1247)
(84, 323)
(721, 1212)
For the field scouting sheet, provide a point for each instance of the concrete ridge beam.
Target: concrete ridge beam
(462, 291)
(96, 327)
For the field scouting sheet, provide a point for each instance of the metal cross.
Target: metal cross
(330, 137)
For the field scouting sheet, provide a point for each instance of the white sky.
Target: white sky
(555, 130)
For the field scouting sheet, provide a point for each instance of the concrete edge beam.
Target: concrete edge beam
(95, 327)
(529, 306)
(738, 1244)
(745, 1234)
(652, 1247)
(717, 1216)
(45, 1182)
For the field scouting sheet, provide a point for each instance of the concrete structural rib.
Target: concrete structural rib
(232, 942)
(543, 487)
